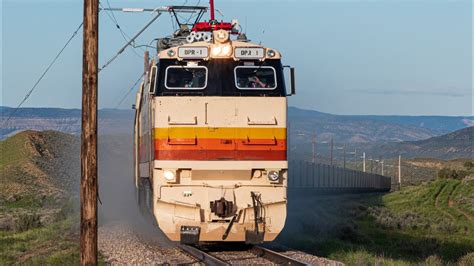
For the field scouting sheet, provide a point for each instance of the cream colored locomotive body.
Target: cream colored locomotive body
(203, 159)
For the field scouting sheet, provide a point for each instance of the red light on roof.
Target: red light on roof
(208, 26)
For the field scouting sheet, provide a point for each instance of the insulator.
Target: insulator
(206, 37)
(190, 38)
(198, 36)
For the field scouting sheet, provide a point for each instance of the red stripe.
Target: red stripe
(221, 144)
(263, 155)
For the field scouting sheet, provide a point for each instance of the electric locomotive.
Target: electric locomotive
(210, 136)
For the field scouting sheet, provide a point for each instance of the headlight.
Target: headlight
(216, 50)
(169, 175)
(271, 53)
(257, 173)
(226, 50)
(273, 176)
(171, 53)
(221, 50)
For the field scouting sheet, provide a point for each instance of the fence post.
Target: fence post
(308, 176)
(319, 175)
(353, 178)
(326, 175)
(333, 175)
(300, 173)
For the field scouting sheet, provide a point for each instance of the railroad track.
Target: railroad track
(211, 258)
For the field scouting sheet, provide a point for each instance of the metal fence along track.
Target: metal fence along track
(306, 175)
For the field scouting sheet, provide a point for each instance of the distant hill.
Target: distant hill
(343, 128)
(457, 144)
(370, 128)
(439, 124)
(111, 121)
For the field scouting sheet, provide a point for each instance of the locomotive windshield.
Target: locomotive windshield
(254, 77)
(181, 77)
(223, 77)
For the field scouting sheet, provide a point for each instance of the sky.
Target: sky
(351, 57)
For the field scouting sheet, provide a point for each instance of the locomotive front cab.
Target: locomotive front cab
(219, 147)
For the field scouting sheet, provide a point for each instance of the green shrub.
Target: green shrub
(66, 210)
(469, 165)
(349, 232)
(448, 173)
(27, 221)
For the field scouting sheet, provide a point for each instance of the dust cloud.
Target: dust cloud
(117, 190)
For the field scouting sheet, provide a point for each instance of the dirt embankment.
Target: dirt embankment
(40, 171)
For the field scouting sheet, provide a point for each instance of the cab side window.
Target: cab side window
(151, 82)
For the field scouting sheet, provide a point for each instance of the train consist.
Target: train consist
(210, 135)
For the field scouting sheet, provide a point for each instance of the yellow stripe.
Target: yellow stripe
(220, 133)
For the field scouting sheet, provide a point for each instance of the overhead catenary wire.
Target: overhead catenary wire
(114, 20)
(121, 50)
(129, 91)
(44, 73)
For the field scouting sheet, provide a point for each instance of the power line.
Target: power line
(129, 42)
(130, 90)
(114, 20)
(44, 73)
(113, 15)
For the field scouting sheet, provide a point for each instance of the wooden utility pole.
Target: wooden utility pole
(332, 149)
(363, 162)
(344, 155)
(382, 168)
(89, 134)
(313, 142)
(399, 171)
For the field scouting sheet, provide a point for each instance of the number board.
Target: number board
(193, 52)
(249, 53)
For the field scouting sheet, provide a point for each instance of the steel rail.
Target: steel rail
(203, 256)
(277, 257)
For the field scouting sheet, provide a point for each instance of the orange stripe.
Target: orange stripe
(219, 132)
(220, 155)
